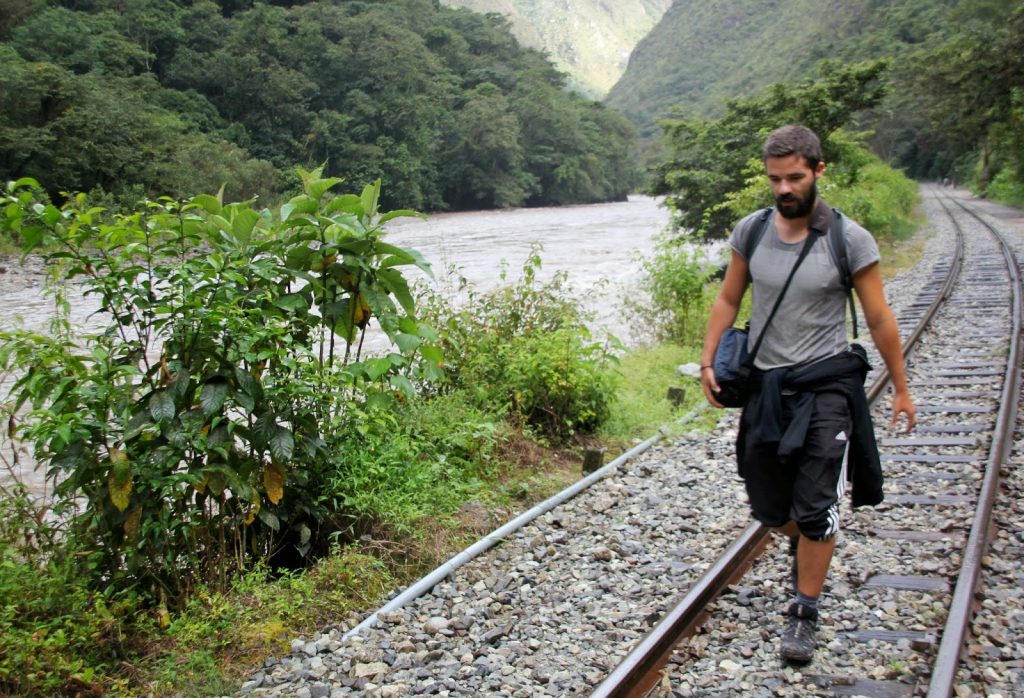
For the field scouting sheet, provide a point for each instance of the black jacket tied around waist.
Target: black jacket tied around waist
(843, 373)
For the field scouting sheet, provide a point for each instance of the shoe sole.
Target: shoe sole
(796, 657)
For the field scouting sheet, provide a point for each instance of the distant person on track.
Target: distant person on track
(806, 429)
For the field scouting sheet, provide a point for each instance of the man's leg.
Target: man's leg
(813, 558)
(817, 491)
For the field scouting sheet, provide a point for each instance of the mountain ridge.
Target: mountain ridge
(590, 40)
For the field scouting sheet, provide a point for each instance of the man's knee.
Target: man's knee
(820, 531)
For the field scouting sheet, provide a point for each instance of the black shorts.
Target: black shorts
(805, 487)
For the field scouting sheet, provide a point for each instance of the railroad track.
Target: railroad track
(962, 339)
(579, 582)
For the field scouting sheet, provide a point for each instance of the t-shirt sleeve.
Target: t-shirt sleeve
(740, 234)
(861, 247)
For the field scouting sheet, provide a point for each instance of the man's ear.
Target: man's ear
(820, 169)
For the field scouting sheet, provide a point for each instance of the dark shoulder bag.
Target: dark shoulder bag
(732, 363)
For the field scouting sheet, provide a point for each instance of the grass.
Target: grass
(641, 406)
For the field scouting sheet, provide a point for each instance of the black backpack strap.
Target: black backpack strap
(758, 224)
(837, 245)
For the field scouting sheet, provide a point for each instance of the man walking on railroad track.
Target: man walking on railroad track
(805, 429)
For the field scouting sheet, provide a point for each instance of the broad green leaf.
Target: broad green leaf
(395, 282)
(208, 203)
(292, 302)
(349, 203)
(136, 425)
(268, 518)
(375, 368)
(431, 353)
(264, 429)
(282, 445)
(406, 255)
(298, 257)
(212, 397)
(301, 204)
(402, 213)
(316, 188)
(407, 342)
(249, 384)
(161, 406)
(370, 198)
(403, 384)
(242, 224)
(23, 182)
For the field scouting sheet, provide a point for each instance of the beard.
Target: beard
(792, 206)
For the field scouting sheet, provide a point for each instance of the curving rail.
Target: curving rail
(959, 618)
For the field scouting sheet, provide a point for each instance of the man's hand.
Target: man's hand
(902, 404)
(710, 385)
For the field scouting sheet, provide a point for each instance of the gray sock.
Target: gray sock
(808, 602)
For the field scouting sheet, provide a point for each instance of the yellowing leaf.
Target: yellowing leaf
(273, 482)
(251, 515)
(163, 618)
(324, 262)
(119, 481)
(131, 524)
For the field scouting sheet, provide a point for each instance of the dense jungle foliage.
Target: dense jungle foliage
(953, 108)
(173, 97)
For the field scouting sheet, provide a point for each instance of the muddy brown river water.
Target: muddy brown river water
(600, 247)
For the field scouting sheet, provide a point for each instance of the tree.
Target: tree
(710, 159)
(968, 93)
(485, 154)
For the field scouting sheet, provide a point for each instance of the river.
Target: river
(600, 247)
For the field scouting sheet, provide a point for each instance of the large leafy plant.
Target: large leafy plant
(190, 435)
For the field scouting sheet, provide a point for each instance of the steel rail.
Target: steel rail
(639, 671)
(961, 610)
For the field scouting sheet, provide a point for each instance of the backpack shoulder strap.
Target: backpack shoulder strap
(756, 227)
(837, 246)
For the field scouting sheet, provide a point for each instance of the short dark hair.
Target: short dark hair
(793, 140)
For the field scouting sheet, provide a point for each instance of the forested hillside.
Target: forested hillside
(591, 40)
(703, 53)
(178, 97)
(955, 69)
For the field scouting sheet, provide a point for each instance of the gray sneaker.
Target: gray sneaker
(798, 642)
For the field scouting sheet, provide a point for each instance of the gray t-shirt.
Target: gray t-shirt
(810, 325)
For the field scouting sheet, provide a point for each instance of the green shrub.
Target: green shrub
(195, 427)
(524, 350)
(400, 467)
(1006, 188)
(881, 199)
(677, 295)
